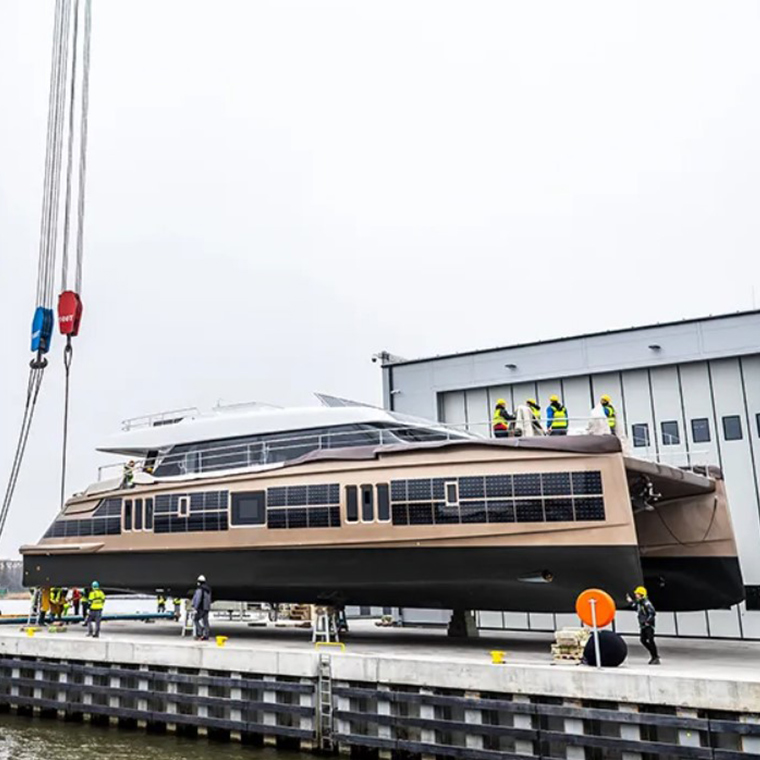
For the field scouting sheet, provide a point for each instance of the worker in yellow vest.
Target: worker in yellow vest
(502, 420)
(161, 603)
(97, 600)
(609, 412)
(556, 417)
(177, 601)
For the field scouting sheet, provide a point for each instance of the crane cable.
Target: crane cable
(68, 351)
(41, 331)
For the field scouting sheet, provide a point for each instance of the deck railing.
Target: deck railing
(270, 450)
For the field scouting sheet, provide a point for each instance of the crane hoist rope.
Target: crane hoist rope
(68, 51)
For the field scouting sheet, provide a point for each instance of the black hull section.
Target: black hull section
(683, 584)
(480, 578)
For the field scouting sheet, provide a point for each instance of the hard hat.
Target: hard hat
(532, 402)
(95, 584)
(201, 579)
(500, 402)
(606, 398)
(555, 397)
(640, 590)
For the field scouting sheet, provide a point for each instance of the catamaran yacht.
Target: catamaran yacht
(350, 504)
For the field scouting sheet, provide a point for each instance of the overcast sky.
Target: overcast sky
(279, 189)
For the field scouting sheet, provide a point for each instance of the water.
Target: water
(26, 738)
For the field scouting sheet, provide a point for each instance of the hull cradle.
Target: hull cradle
(482, 578)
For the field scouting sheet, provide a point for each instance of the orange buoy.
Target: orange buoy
(604, 603)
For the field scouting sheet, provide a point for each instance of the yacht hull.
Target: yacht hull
(529, 579)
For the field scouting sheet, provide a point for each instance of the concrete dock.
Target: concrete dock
(394, 691)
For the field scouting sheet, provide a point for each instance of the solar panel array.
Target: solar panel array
(524, 497)
(312, 506)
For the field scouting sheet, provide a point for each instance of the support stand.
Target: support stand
(462, 625)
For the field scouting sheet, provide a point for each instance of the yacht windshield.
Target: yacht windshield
(271, 448)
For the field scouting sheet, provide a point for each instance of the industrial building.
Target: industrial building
(685, 393)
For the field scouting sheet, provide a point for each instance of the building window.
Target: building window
(249, 508)
(149, 514)
(352, 504)
(752, 596)
(368, 504)
(383, 502)
(138, 514)
(700, 430)
(640, 434)
(128, 514)
(732, 427)
(670, 433)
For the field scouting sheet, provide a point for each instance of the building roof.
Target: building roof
(582, 336)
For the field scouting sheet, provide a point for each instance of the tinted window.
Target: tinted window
(138, 514)
(700, 430)
(249, 508)
(149, 514)
(640, 433)
(752, 594)
(368, 505)
(757, 422)
(732, 428)
(383, 502)
(670, 433)
(128, 514)
(352, 505)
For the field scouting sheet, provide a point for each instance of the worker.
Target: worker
(97, 600)
(502, 420)
(609, 412)
(161, 603)
(45, 608)
(202, 607)
(535, 409)
(76, 599)
(177, 602)
(556, 417)
(85, 605)
(56, 603)
(128, 481)
(646, 614)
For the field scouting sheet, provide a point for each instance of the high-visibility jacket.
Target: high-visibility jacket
(177, 601)
(500, 418)
(97, 599)
(558, 418)
(609, 410)
(536, 412)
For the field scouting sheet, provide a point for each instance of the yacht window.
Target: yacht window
(149, 514)
(352, 504)
(183, 506)
(383, 502)
(287, 446)
(368, 504)
(249, 508)
(670, 434)
(752, 594)
(640, 434)
(452, 497)
(732, 427)
(757, 422)
(700, 430)
(224, 457)
(128, 514)
(138, 514)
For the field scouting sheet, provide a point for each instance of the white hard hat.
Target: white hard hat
(201, 579)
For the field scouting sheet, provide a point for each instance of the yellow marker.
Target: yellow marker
(497, 657)
(331, 644)
(30, 631)
(221, 641)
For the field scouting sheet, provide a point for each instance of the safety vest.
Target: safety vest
(609, 410)
(559, 420)
(499, 419)
(161, 600)
(97, 599)
(177, 602)
(536, 412)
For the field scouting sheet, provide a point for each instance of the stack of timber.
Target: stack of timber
(569, 644)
